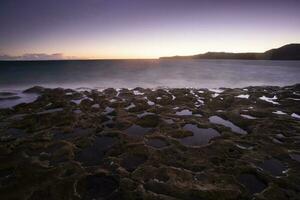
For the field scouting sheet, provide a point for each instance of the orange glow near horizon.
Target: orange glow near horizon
(153, 50)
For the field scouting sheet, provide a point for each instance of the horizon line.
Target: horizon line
(74, 58)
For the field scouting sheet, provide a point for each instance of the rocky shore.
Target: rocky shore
(168, 144)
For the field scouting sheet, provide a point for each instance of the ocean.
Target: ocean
(18, 75)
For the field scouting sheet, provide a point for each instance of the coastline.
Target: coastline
(151, 143)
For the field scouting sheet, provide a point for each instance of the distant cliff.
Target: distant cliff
(287, 52)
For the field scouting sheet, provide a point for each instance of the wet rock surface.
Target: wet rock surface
(97, 187)
(273, 166)
(160, 143)
(93, 155)
(200, 136)
(180, 143)
(252, 184)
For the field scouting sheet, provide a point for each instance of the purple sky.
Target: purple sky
(145, 28)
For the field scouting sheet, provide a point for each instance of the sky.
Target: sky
(117, 29)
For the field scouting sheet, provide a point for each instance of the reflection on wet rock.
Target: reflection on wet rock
(137, 131)
(252, 183)
(156, 143)
(184, 112)
(273, 166)
(227, 123)
(93, 155)
(200, 136)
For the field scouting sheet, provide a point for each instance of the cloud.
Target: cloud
(7, 57)
(42, 56)
(34, 56)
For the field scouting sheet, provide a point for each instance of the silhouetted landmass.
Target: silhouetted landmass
(287, 52)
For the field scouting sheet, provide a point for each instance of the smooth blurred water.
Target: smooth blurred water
(147, 73)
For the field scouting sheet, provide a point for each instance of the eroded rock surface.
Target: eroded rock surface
(180, 143)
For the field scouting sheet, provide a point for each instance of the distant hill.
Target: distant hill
(287, 52)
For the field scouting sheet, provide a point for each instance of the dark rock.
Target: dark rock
(132, 161)
(97, 186)
(35, 89)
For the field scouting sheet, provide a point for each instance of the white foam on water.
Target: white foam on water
(215, 95)
(248, 116)
(184, 112)
(136, 92)
(130, 106)
(150, 103)
(295, 115)
(270, 100)
(82, 89)
(243, 96)
(22, 98)
(278, 112)
(216, 90)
